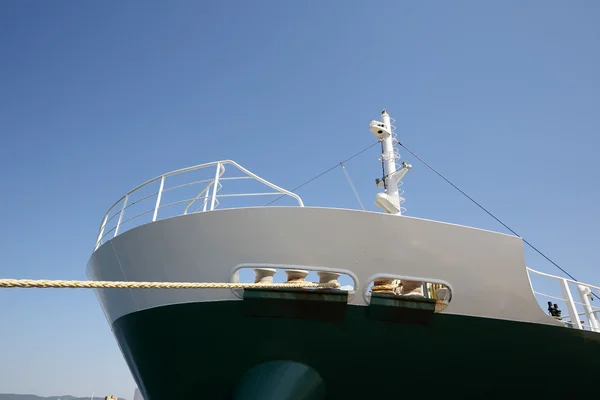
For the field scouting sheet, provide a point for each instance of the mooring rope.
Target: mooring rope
(65, 284)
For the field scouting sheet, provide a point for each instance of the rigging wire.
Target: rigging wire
(352, 186)
(324, 172)
(447, 181)
(490, 214)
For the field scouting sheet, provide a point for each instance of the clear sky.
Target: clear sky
(97, 97)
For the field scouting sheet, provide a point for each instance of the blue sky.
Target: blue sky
(97, 97)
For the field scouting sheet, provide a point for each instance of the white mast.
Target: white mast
(389, 200)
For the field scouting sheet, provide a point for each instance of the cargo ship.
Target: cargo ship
(419, 307)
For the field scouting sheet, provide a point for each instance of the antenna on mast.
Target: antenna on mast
(389, 200)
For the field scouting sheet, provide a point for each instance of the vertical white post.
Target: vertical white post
(215, 184)
(160, 190)
(205, 200)
(389, 162)
(390, 199)
(584, 291)
(99, 240)
(570, 304)
(121, 215)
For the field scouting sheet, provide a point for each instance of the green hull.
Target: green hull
(205, 350)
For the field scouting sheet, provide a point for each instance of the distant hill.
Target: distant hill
(33, 397)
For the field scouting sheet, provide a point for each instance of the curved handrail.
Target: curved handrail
(563, 279)
(583, 290)
(212, 183)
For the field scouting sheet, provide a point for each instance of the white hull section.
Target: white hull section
(486, 270)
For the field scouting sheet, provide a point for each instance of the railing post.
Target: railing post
(121, 215)
(570, 304)
(160, 190)
(205, 200)
(584, 291)
(215, 184)
(102, 226)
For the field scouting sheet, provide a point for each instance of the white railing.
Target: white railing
(182, 197)
(575, 314)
